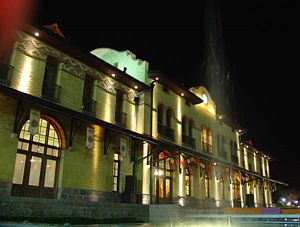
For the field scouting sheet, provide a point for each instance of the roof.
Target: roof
(85, 57)
(185, 93)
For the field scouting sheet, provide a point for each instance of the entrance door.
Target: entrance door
(163, 180)
(37, 159)
(236, 193)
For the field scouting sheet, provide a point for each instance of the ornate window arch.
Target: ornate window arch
(37, 161)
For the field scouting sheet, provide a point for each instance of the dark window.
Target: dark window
(184, 126)
(169, 118)
(160, 113)
(191, 126)
(89, 104)
(88, 87)
(50, 88)
(120, 116)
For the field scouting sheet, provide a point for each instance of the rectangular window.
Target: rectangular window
(19, 169)
(116, 172)
(50, 173)
(207, 182)
(35, 171)
(50, 88)
(89, 104)
(120, 116)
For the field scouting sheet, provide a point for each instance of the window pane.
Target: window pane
(49, 151)
(34, 147)
(19, 145)
(55, 152)
(168, 189)
(50, 173)
(25, 146)
(19, 169)
(35, 171)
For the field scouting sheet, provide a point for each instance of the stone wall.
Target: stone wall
(47, 208)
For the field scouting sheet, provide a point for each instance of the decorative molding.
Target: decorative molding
(37, 49)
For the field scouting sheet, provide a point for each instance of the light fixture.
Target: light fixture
(36, 34)
(215, 164)
(136, 87)
(157, 78)
(182, 94)
(240, 130)
(113, 75)
(220, 117)
(247, 146)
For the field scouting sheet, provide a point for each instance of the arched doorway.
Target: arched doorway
(37, 161)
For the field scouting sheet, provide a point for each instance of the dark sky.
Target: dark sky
(261, 41)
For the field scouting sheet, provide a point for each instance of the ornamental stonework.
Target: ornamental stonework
(36, 49)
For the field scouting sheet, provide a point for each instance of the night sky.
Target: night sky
(261, 43)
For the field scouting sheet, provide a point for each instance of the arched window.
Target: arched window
(209, 140)
(160, 114)
(36, 166)
(169, 118)
(204, 138)
(191, 126)
(187, 182)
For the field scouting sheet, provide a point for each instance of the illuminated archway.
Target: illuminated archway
(37, 161)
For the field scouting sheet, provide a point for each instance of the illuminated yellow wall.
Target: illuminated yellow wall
(27, 74)
(9, 145)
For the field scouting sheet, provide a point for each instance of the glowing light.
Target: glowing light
(158, 172)
(240, 130)
(23, 85)
(283, 199)
(204, 97)
(181, 202)
(156, 78)
(36, 34)
(182, 94)
(215, 164)
(113, 75)
(220, 117)
(146, 176)
(136, 87)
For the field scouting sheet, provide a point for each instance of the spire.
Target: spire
(216, 75)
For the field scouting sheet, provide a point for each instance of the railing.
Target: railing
(165, 131)
(5, 73)
(120, 118)
(89, 105)
(50, 91)
(188, 140)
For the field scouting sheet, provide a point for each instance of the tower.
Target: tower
(215, 71)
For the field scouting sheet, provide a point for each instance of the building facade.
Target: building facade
(98, 135)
